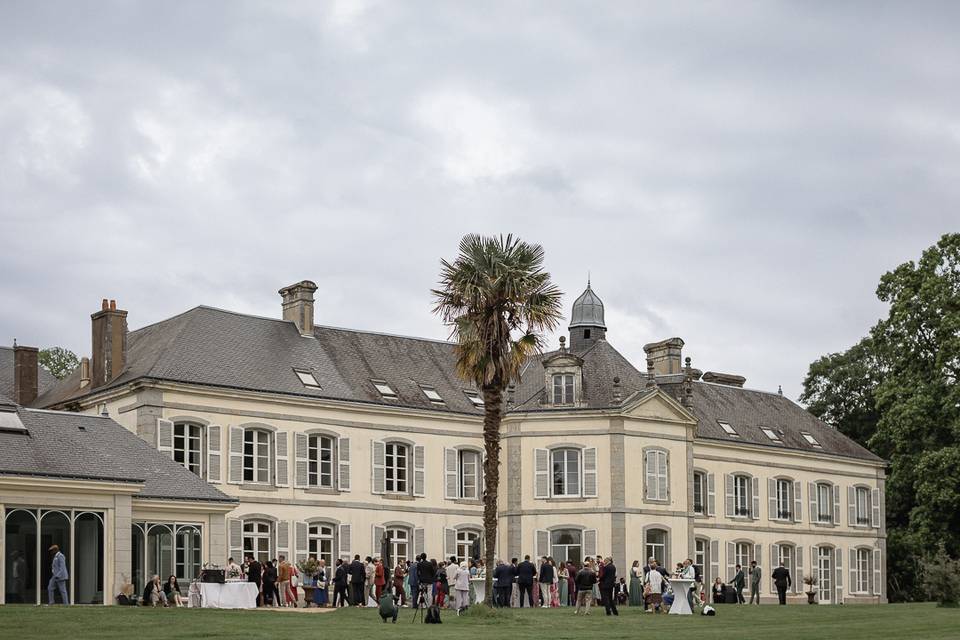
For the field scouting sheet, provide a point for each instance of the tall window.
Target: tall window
(256, 539)
(399, 540)
(699, 492)
(566, 472)
(396, 467)
(785, 555)
(465, 538)
(188, 554)
(784, 499)
(563, 388)
(741, 495)
(186, 445)
(742, 553)
(824, 502)
(320, 465)
(656, 474)
(256, 456)
(567, 544)
(863, 570)
(656, 546)
(469, 474)
(863, 506)
(700, 556)
(824, 569)
(320, 542)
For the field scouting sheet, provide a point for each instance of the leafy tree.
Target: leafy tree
(941, 579)
(58, 361)
(498, 302)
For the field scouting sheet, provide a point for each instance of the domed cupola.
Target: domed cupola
(586, 320)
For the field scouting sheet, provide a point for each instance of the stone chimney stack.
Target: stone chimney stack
(298, 306)
(666, 356)
(84, 372)
(25, 374)
(109, 343)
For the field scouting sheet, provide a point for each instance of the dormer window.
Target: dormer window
(810, 439)
(563, 388)
(307, 378)
(730, 431)
(474, 397)
(770, 433)
(385, 389)
(431, 394)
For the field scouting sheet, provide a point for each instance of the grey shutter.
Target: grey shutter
(798, 501)
(589, 542)
(853, 571)
(235, 535)
(714, 561)
(798, 570)
(165, 437)
(449, 543)
(774, 563)
(836, 505)
(282, 529)
(419, 541)
(344, 541)
(376, 533)
(663, 476)
(214, 454)
(343, 464)
(815, 565)
(728, 501)
(755, 489)
(757, 554)
(731, 561)
(852, 506)
(378, 453)
(542, 538)
(590, 472)
(419, 471)
(877, 572)
(451, 480)
(301, 460)
(236, 456)
(301, 541)
(772, 499)
(814, 511)
(875, 508)
(711, 495)
(839, 556)
(650, 475)
(281, 459)
(541, 473)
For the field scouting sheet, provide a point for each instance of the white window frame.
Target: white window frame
(785, 501)
(384, 389)
(825, 567)
(565, 472)
(316, 535)
(564, 392)
(432, 394)
(787, 555)
(465, 538)
(862, 498)
(191, 433)
(474, 396)
(260, 474)
(650, 547)
(742, 553)
(566, 546)
(259, 535)
(315, 461)
(396, 536)
(700, 483)
(463, 473)
(657, 483)
(307, 378)
(810, 439)
(392, 468)
(742, 494)
(863, 571)
(772, 435)
(824, 517)
(728, 429)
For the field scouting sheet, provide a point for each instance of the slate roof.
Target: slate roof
(213, 347)
(78, 446)
(45, 379)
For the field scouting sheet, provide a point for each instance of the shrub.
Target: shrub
(941, 578)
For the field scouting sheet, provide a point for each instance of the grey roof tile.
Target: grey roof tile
(45, 379)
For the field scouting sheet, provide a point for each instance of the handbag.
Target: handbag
(294, 581)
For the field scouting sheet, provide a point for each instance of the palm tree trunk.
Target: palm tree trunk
(492, 415)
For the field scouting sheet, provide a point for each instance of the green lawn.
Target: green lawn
(768, 622)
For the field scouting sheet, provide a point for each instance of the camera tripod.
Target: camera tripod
(420, 602)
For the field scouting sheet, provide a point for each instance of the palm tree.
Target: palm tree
(498, 302)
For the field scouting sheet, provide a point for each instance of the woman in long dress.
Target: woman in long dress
(554, 587)
(564, 584)
(636, 584)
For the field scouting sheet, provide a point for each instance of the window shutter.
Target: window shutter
(235, 533)
(757, 555)
(877, 572)
(589, 542)
(541, 473)
(839, 556)
(378, 451)
(814, 511)
(772, 499)
(281, 459)
(836, 505)
(714, 561)
(419, 541)
(236, 456)
(875, 508)
(798, 501)
(649, 475)
(854, 585)
(343, 541)
(852, 506)
(755, 489)
(728, 502)
(419, 471)
(663, 478)
(731, 561)
(449, 543)
(376, 535)
(283, 538)
(301, 542)
(301, 460)
(165, 437)
(451, 478)
(590, 472)
(542, 546)
(213, 454)
(343, 464)
(711, 495)
(798, 578)
(774, 563)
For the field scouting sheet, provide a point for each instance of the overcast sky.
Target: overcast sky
(737, 174)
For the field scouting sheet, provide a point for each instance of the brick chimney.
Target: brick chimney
(665, 355)
(24, 374)
(109, 343)
(298, 306)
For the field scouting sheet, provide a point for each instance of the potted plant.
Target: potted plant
(811, 582)
(308, 568)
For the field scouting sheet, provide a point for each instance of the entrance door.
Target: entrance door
(825, 574)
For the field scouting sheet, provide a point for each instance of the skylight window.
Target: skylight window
(474, 397)
(770, 433)
(431, 394)
(810, 439)
(730, 431)
(10, 420)
(307, 378)
(385, 390)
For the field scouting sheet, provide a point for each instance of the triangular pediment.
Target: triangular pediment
(657, 405)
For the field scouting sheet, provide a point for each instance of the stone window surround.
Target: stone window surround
(316, 431)
(666, 500)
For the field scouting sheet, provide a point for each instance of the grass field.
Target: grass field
(767, 622)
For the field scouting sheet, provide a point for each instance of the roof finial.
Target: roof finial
(588, 278)
(780, 389)
(14, 343)
(617, 396)
(563, 344)
(651, 376)
(687, 398)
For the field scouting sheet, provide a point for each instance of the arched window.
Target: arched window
(823, 566)
(188, 553)
(188, 446)
(465, 539)
(656, 546)
(256, 539)
(566, 472)
(743, 553)
(399, 540)
(567, 544)
(256, 456)
(862, 569)
(320, 542)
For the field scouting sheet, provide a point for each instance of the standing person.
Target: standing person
(18, 567)
(426, 575)
(636, 584)
(526, 575)
(321, 579)
(514, 588)
(413, 583)
(275, 591)
(452, 569)
(738, 583)
(233, 571)
(689, 573)
(782, 580)
(554, 589)
(563, 584)
(270, 584)
(284, 574)
(585, 580)
(654, 583)
(370, 581)
(571, 583)
(461, 584)
(502, 584)
(341, 578)
(608, 582)
(379, 578)
(545, 580)
(717, 590)
(756, 573)
(358, 576)
(441, 586)
(255, 576)
(59, 577)
(398, 588)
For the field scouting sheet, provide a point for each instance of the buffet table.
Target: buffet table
(230, 595)
(479, 589)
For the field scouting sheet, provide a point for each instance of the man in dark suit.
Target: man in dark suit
(340, 581)
(503, 583)
(545, 578)
(608, 581)
(358, 579)
(427, 575)
(738, 583)
(526, 574)
(254, 572)
(782, 580)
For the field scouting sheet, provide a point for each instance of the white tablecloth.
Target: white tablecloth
(680, 604)
(230, 595)
(479, 589)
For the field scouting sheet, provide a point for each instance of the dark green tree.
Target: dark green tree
(58, 361)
